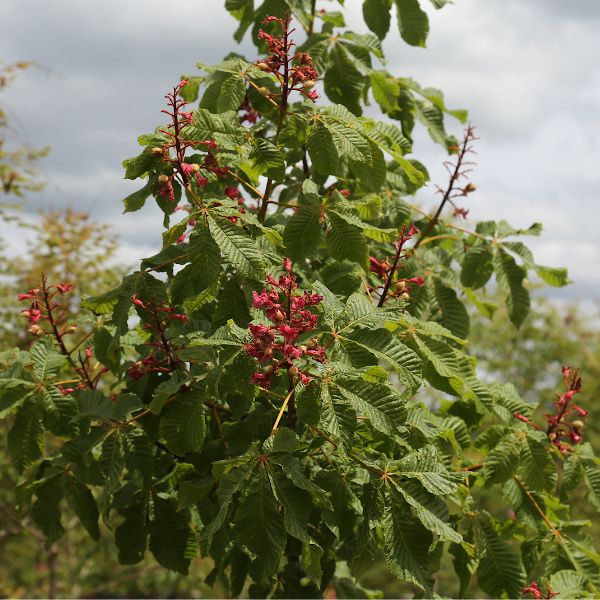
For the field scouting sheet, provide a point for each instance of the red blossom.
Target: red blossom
(166, 191)
(158, 318)
(231, 192)
(313, 95)
(65, 391)
(294, 72)
(64, 287)
(187, 116)
(276, 346)
(562, 431)
(187, 168)
(378, 267)
(534, 589)
(416, 280)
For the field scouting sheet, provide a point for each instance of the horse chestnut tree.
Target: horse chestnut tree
(257, 392)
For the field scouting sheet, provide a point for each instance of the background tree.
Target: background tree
(18, 172)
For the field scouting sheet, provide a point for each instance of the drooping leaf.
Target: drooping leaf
(376, 14)
(510, 279)
(259, 525)
(182, 425)
(412, 22)
(500, 569)
(406, 544)
(172, 541)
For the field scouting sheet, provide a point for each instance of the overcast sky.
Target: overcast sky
(527, 71)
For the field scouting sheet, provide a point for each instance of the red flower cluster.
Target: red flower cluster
(179, 145)
(560, 432)
(42, 305)
(534, 589)
(276, 346)
(47, 308)
(385, 271)
(161, 357)
(295, 72)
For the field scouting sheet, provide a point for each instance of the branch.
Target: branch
(454, 176)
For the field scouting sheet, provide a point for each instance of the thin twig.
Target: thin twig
(454, 176)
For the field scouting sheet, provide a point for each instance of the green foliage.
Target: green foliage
(287, 472)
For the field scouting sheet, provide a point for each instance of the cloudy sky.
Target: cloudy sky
(527, 70)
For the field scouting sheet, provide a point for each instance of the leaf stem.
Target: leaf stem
(282, 409)
(533, 501)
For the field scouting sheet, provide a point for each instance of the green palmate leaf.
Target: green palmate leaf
(302, 234)
(204, 252)
(139, 455)
(311, 562)
(139, 165)
(477, 267)
(259, 525)
(13, 393)
(343, 81)
(538, 468)
(591, 473)
(568, 584)
(95, 404)
(182, 425)
(432, 117)
(385, 90)
(371, 178)
(424, 465)
(296, 507)
(112, 461)
(381, 344)
(347, 139)
(510, 280)
(322, 149)
(430, 510)
(206, 125)
(166, 390)
(338, 418)
(406, 544)
(268, 159)
(376, 14)
(500, 569)
(345, 241)
(172, 541)
(232, 304)
(293, 469)
(412, 22)
(26, 437)
(502, 462)
(555, 277)
(454, 314)
(237, 248)
(385, 408)
(131, 535)
(84, 505)
(441, 355)
(45, 511)
(137, 200)
(232, 92)
(47, 361)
